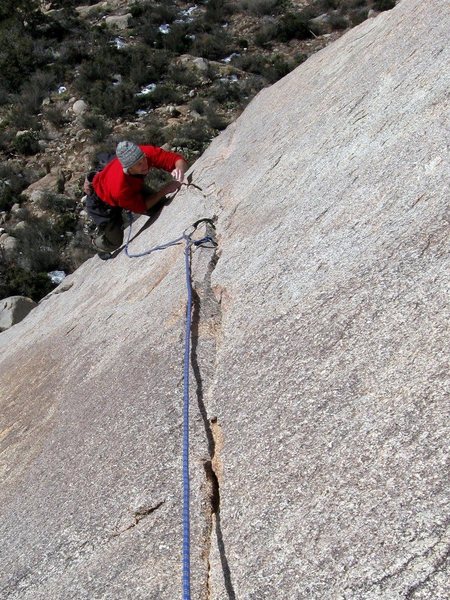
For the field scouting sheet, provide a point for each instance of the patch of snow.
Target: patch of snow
(229, 79)
(164, 28)
(148, 89)
(57, 276)
(117, 79)
(119, 43)
(230, 58)
(186, 15)
(188, 11)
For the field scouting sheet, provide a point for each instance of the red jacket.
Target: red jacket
(117, 188)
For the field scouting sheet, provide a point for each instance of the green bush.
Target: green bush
(198, 105)
(190, 137)
(35, 90)
(7, 197)
(113, 101)
(181, 75)
(78, 250)
(151, 133)
(214, 119)
(17, 59)
(55, 202)
(226, 93)
(98, 127)
(16, 281)
(177, 40)
(145, 13)
(39, 245)
(163, 94)
(384, 5)
(293, 26)
(358, 15)
(55, 116)
(213, 46)
(19, 118)
(66, 222)
(259, 8)
(266, 34)
(338, 22)
(27, 143)
(217, 10)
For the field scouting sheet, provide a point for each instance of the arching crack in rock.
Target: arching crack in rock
(206, 338)
(138, 515)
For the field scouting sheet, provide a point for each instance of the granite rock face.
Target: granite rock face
(320, 380)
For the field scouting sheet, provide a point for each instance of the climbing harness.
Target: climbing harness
(205, 242)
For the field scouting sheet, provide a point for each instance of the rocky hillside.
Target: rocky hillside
(82, 76)
(320, 381)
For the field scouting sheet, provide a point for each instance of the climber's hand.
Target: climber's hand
(171, 187)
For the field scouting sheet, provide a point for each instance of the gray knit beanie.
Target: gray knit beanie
(129, 154)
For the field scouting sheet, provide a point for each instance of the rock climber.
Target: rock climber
(121, 186)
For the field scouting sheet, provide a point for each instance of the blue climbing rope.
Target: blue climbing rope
(189, 242)
(187, 353)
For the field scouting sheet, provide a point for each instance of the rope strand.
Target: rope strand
(189, 242)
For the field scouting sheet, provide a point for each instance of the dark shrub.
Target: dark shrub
(259, 8)
(20, 118)
(150, 133)
(35, 90)
(177, 40)
(358, 15)
(338, 21)
(225, 93)
(293, 26)
(163, 94)
(55, 202)
(98, 127)
(27, 143)
(198, 105)
(193, 136)
(266, 34)
(38, 245)
(16, 281)
(17, 59)
(384, 5)
(214, 119)
(78, 250)
(113, 101)
(7, 196)
(213, 46)
(217, 10)
(66, 222)
(55, 116)
(147, 65)
(181, 75)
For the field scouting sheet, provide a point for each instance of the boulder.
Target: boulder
(201, 64)
(53, 182)
(319, 366)
(119, 21)
(15, 208)
(79, 107)
(37, 195)
(13, 310)
(321, 24)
